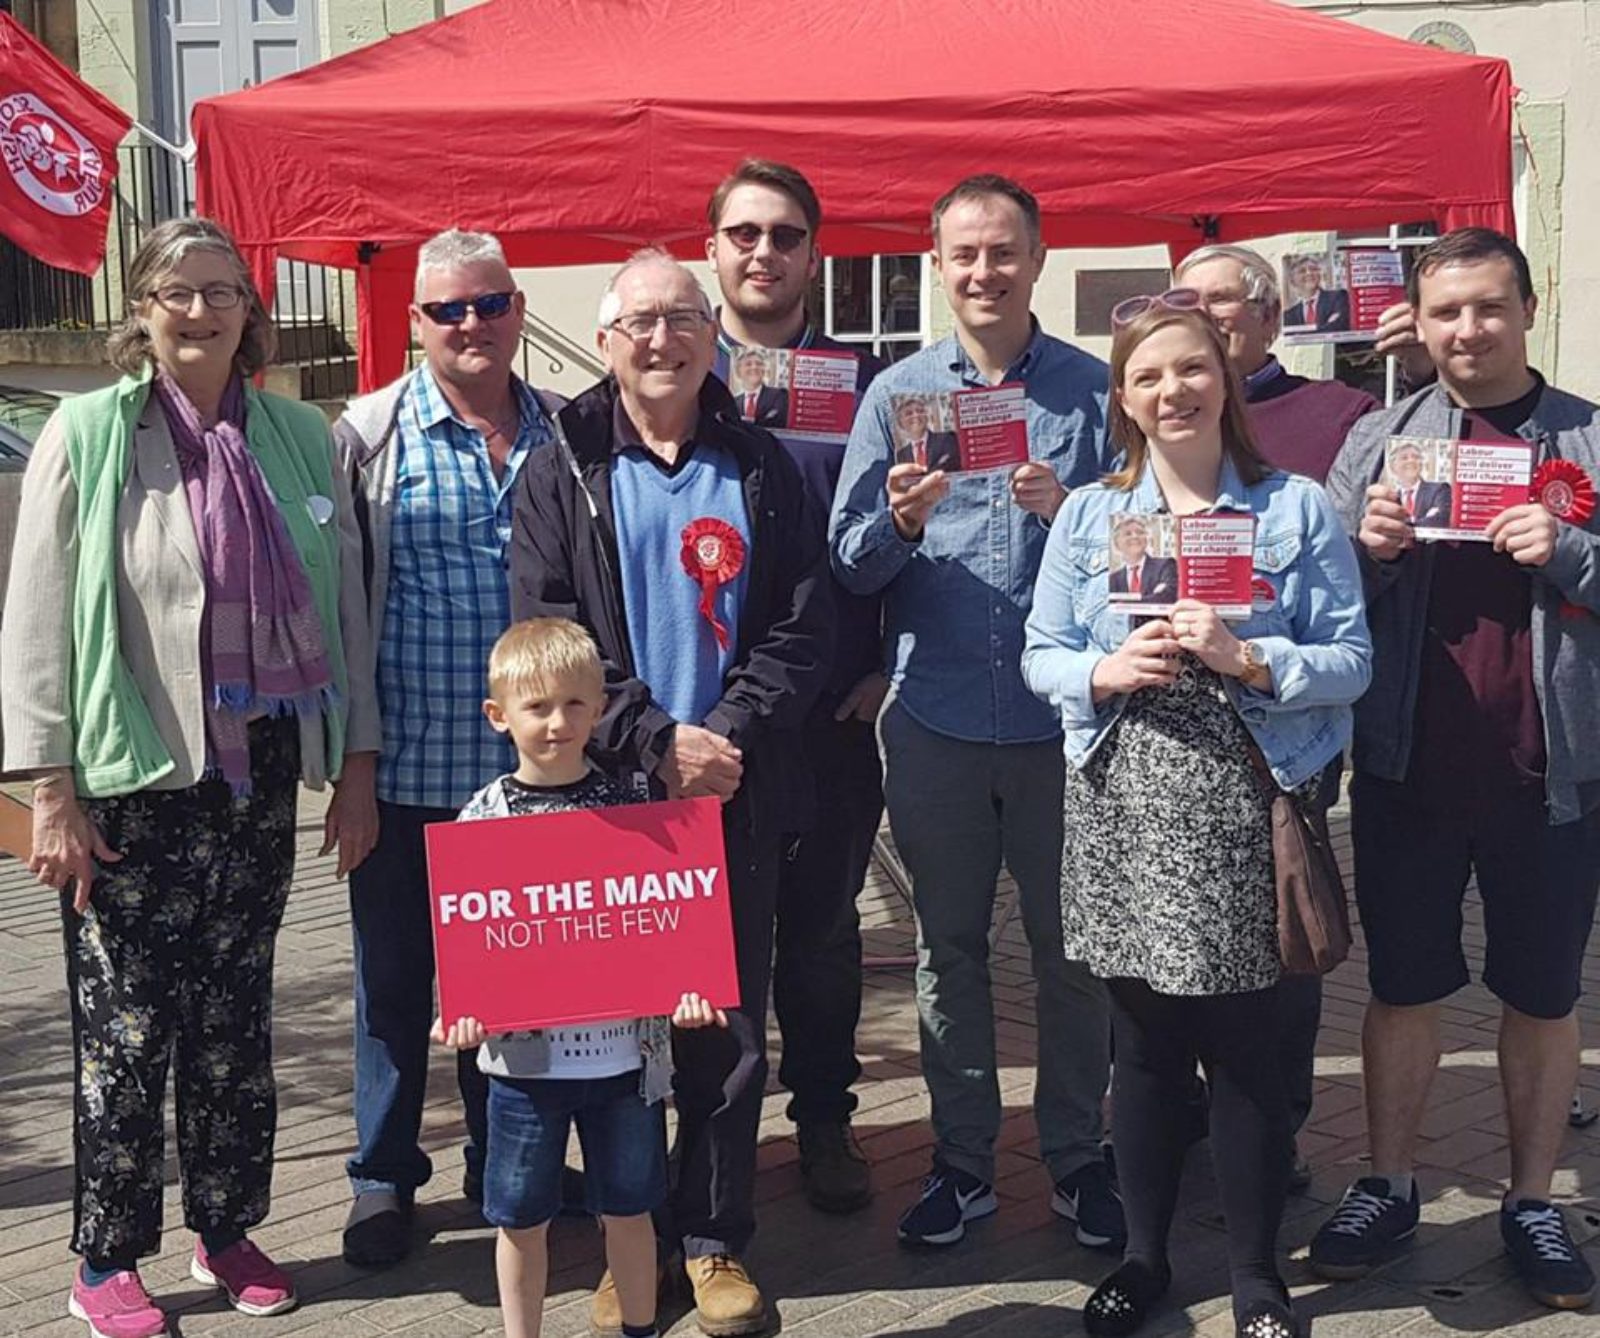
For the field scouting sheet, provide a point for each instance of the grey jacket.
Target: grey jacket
(361, 438)
(1566, 599)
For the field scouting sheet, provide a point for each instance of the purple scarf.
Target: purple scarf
(261, 645)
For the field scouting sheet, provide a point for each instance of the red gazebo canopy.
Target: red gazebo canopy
(578, 130)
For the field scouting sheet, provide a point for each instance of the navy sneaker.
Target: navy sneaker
(1365, 1229)
(950, 1199)
(1546, 1260)
(1089, 1198)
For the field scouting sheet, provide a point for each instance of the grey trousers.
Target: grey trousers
(957, 810)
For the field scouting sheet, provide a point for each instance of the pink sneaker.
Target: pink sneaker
(119, 1307)
(255, 1285)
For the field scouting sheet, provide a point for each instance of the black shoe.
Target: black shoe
(1088, 1197)
(1121, 1304)
(1365, 1229)
(833, 1168)
(948, 1200)
(377, 1233)
(1267, 1319)
(1547, 1261)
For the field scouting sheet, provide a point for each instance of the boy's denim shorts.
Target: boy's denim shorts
(624, 1145)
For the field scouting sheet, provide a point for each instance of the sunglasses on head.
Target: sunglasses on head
(747, 236)
(488, 307)
(1176, 299)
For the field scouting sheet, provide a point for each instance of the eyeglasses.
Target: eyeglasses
(747, 236)
(1227, 304)
(1177, 299)
(487, 307)
(217, 296)
(642, 325)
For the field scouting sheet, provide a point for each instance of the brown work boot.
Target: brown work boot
(726, 1301)
(605, 1309)
(834, 1168)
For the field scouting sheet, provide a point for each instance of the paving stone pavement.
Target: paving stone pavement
(1017, 1275)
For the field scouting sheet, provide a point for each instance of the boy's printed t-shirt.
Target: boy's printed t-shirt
(588, 1049)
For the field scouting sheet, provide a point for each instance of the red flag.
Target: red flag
(58, 148)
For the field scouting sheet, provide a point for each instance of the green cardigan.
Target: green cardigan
(117, 748)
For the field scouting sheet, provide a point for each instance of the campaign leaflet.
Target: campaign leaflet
(961, 431)
(822, 394)
(1453, 489)
(809, 393)
(991, 426)
(1336, 297)
(1156, 559)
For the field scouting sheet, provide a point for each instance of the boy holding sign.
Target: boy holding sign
(547, 690)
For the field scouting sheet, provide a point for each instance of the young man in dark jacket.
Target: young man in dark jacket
(654, 472)
(764, 218)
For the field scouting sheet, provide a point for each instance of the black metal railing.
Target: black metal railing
(313, 310)
(314, 307)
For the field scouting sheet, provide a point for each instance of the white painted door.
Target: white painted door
(220, 46)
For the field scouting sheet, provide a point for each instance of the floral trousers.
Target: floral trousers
(171, 965)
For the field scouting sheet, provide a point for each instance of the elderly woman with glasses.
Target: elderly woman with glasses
(185, 640)
(1167, 874)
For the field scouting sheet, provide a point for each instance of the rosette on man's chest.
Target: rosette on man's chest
(1563, 489)
(712, 555)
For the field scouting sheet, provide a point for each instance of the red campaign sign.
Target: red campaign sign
(991, 426)
(561, 918)
(822, 393)
(1216, 562)
(58, 155)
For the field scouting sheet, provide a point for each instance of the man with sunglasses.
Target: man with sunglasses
(433, 458)
(655, 475)
(764, 218)
(974, 769)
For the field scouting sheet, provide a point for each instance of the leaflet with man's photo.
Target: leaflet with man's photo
(1452, 489)
(1156, 559)
(807, 394)
(991, 426)
(961, 431)
(1336, 297)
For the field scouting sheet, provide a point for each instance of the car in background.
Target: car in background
(22, 417)
(23, 414)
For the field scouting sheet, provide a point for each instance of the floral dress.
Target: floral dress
(1166, 868)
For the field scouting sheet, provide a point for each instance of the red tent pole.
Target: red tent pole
(383, 297)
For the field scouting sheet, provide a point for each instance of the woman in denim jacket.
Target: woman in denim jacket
(1167, 875)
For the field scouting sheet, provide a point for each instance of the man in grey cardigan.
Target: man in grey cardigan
(434, 458)
(1475, 755)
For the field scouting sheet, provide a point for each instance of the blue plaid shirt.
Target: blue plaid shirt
(448, 599)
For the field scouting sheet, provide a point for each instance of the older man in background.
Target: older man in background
(652, 456)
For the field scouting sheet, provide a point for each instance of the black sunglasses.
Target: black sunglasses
(747, 236)
(488, 307)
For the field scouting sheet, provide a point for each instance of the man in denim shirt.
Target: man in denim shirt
(973, 759)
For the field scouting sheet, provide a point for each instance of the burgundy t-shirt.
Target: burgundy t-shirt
(1300, 424)
(1478, 727)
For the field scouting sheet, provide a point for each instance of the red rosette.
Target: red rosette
(1563, 489)
(712, 555)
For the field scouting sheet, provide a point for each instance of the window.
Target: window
(879, 301)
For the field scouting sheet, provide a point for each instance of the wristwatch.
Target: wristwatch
(1255, 663)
